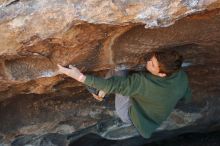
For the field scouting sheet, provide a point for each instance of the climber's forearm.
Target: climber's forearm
(79, 77)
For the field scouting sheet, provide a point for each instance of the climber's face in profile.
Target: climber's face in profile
(153, 67)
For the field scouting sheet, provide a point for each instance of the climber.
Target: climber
(144, 99)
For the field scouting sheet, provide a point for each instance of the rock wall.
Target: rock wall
(96, 36)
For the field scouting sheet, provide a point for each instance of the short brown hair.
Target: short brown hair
(169, 61)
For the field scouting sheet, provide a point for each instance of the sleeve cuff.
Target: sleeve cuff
(89, 80)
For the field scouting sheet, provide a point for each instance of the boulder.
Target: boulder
(97, 36)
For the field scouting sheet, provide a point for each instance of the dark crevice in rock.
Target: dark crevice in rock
(187, 139)
(12, 3)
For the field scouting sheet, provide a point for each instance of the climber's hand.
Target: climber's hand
(99, 98)
(72, 72)
(101, 94)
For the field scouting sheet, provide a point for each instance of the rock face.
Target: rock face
(96, 36)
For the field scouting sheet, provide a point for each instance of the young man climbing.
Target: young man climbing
(144, 99)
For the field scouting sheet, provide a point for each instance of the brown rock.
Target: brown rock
(98, 35)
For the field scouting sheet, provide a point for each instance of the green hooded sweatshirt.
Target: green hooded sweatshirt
(152, 97)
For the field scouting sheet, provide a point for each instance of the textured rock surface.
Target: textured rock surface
(98, 35)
